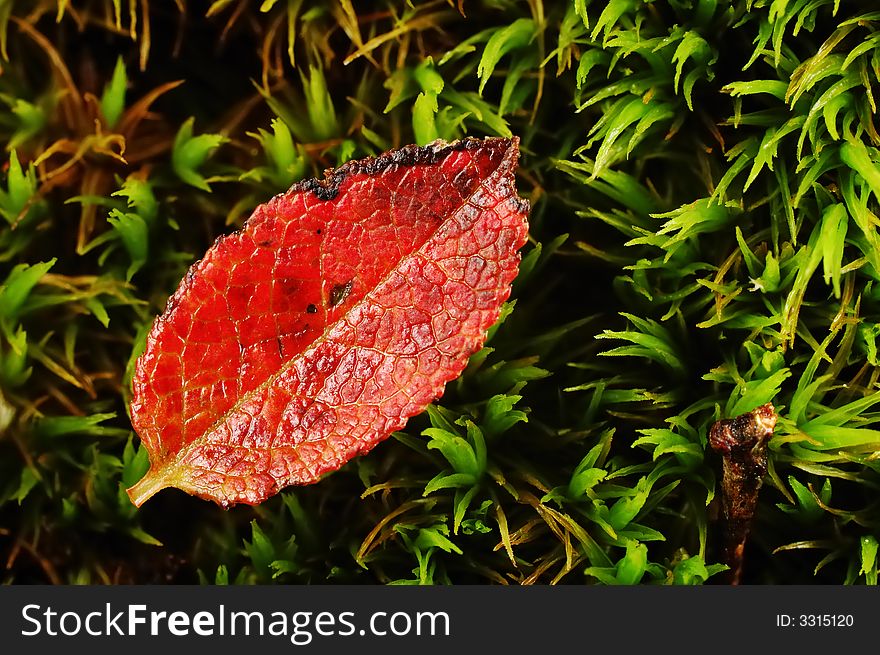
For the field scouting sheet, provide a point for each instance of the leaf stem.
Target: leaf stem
(153, 481)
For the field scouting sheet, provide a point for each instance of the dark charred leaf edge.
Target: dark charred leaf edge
(410, 155)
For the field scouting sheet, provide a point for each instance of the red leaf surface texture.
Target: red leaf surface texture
(340, 310)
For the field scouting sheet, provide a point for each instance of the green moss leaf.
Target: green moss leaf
(113, 98)
(191, 152)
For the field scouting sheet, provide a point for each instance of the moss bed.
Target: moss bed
(704, 183)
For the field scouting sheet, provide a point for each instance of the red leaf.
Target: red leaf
(341, 309)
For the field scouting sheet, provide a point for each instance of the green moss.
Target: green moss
(704, 180)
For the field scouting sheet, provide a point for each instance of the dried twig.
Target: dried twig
(742, 442)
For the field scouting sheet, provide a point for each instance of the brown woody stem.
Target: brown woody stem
(742, 443)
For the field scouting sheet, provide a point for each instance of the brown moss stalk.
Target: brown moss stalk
(742, 444)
